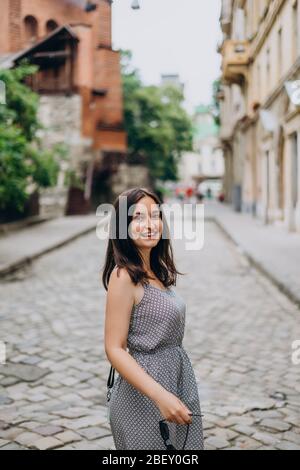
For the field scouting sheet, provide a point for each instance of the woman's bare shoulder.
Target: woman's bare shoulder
(120, 278)
(121, 283)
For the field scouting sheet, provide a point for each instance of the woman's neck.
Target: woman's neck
(146, 261)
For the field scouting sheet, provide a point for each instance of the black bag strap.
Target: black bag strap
(110, 381)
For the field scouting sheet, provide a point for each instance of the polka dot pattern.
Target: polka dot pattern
(155, 337)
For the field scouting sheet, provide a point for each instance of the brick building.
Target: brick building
(79, 81)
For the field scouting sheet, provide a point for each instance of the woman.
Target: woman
(156, 380)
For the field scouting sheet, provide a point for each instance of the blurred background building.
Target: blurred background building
(260, 119)
(203, 167)
(79, 83)
(172, 79)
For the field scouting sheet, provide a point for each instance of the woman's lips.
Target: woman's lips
(149, 235)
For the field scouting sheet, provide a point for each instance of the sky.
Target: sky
(172, 37)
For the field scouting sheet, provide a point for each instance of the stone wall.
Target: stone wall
(61, 117)
(53, 202)
(129, 176)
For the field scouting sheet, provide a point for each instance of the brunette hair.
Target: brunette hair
(124, 253)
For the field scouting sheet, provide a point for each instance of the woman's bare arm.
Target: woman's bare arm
(119, 302)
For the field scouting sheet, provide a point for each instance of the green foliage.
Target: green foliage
(157, 125)
(21, 103)
(23, 161)
(72, 179)
(43, 168)
(22, 164)
(13, 172)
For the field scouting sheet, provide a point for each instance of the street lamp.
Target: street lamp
(135, 5)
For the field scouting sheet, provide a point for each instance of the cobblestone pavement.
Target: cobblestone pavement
(239, 334)
(260, 241)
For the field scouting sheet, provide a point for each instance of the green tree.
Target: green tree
(23, 161)
(158, 127)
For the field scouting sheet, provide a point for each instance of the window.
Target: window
(279, 64)
(295, 38)
(31, 28)
(258, 83)
(51, 25)
(295, 188)
(256, 14)
(268, 65)
(240, 32)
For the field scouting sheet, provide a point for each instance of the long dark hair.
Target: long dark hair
(124, 253)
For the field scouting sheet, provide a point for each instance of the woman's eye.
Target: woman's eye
(143, 216)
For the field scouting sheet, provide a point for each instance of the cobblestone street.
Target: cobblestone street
(239, 335)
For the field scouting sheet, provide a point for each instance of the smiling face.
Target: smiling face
(146, 225)
(139, 239)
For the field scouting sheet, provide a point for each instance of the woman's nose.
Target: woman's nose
(150, 223)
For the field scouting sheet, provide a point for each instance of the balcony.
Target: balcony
(236, 58)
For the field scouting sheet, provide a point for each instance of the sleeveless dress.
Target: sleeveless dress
(155, 337)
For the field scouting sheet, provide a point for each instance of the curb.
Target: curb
(257, 264)
(9, 227)
(27, 260)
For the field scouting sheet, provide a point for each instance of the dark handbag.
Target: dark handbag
(110, 382)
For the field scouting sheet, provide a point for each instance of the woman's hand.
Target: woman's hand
(173, 409)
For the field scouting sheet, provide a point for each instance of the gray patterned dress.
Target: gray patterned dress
(155, 337)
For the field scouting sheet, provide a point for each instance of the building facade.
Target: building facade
(260, 112)
(78, 80)
(204, 166)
